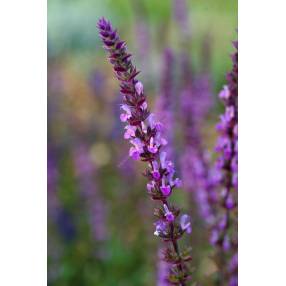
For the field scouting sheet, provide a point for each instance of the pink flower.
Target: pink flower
(130, 132)
(185, 223)
(177, 183)
(144, 105)
(160, 140)
(165, 189)
(134, 152)
(152, 148)
(155, 173)
(229, 113)
(168, 214)
(139, 87)
(161, 228)
(224, 94)
(150, 186)
(125, 116)
(154, 123)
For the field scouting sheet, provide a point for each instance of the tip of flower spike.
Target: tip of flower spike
(103, 24)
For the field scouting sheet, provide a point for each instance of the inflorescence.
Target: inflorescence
(224, 232)
(144, 132)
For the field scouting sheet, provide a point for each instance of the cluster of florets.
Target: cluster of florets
(225, 229)
(144, 133)
(147, 142)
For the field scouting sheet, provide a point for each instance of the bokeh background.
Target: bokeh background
(100, 229)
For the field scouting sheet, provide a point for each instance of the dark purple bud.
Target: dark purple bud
(120, 45)
(104, 34)
(133, 75)
(108, 43)
(126, 57)
(119, 69)
(113, 35)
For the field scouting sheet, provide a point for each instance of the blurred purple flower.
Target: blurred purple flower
(226, 165)
(97, 82)
(185, 222)
(197, 174)
(52, 180)
(182, 18)
(233, 281)
(143, 40)
(165, 102)
(66, 225)
(86, 172)
(163, 269)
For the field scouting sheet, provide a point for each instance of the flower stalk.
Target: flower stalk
(143, 131)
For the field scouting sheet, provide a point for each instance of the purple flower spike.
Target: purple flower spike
(144, 133)
(155, 172)
(166, 190)
(135, 151)
(226, 230)
(196, 101)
